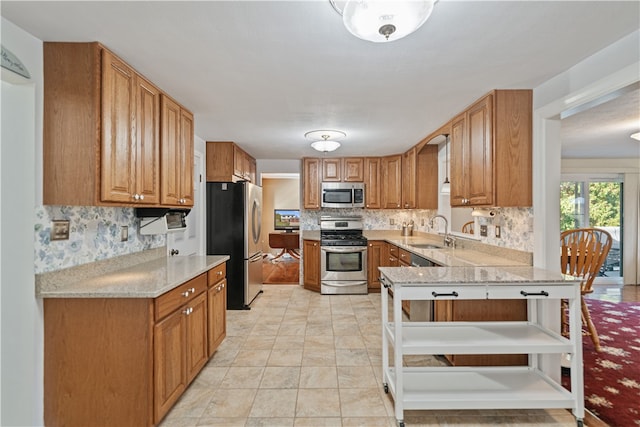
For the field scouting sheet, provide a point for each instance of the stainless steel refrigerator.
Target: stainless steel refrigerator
(234, 214)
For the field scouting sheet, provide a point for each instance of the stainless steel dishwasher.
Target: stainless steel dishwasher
(421, 311)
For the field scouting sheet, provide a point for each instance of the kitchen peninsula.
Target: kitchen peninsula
(124, 337)
(490, 387)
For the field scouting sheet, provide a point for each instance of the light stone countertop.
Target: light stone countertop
(449, 257)
(112, 279)
(410, 276)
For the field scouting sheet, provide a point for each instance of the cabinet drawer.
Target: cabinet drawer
(217, 273)
(170, 301)
(393, 250)
(404, 256)
(456, 292)
(528, 291)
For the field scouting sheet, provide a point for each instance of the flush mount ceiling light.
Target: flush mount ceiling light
(325, 140)
(382, 21)
(636, 136)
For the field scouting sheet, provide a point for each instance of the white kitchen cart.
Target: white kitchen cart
(510, 387)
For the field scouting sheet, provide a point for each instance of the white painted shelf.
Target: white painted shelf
(480, 388)
(496, 387)
(477, 338)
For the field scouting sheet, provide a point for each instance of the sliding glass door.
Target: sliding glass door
(595, 201)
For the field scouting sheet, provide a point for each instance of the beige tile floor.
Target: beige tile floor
(298, 358)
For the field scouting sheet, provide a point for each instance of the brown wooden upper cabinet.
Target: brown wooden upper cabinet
(391, 181)
(409, 179)
(311, 177)
(177, 141)
(227, 162)
(372, 182)
(491, 151)
(347, 169)
(102, 128)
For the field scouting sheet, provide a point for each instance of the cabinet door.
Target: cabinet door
(375, 255)
(391, 185)
(118, 145)
(252, 170)
(217, 315)
(311, 187)
(238, 162)
(409, 179)
(169, 362)
(311, 264)
(197, 351)
(171, 157)
(187, 158)
(480, 160)
(457, 172)
(148, 141)
(331, 170)
(353, 169)
(372, 182)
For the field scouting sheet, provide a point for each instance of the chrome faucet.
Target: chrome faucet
(448, 240)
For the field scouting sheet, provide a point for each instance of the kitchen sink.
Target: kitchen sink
(424, 246)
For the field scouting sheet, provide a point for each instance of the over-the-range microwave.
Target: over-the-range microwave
(342, 195)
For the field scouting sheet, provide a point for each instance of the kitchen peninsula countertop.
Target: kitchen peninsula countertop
(469, 275)
(123, 277)
(449, 257)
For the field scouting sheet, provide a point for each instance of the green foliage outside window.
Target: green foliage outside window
(604, 204)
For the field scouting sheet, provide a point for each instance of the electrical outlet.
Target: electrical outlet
(498, 231)
(422, 222)
(59, 230)
(124, 233)
(483, 230)
(392, 221)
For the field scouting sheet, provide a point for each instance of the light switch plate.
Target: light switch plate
(124, 233)
(483, 230)
(59, 230)
(498, 231)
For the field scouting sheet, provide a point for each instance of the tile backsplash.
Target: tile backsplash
(514, 223)
(94, 235)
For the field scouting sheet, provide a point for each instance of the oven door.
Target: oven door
(343, 263)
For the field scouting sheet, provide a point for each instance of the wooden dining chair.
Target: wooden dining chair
(468, 227)
(584, 250)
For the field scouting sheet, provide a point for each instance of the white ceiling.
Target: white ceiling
(264, 73)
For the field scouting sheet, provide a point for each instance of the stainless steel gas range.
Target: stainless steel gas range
(343, 249)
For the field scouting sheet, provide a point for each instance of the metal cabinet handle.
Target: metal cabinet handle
(541, 293)
(174, 252)
(187, 311)
(219, 273)
(185, 294)
(142, 197)
(452, 294)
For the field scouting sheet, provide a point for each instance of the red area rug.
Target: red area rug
(612, 376)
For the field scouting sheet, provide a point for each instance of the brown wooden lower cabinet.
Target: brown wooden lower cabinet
(479, 310)
(126, 361)
(311, 264)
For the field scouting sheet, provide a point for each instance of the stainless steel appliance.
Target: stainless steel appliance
(343, 250)
(342, 195)
(234, 213)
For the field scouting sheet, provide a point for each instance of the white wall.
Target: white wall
(610, 69)
(22, 325)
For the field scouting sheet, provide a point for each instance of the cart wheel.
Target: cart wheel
(386, 387)
(580, 423)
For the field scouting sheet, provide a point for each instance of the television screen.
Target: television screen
(286, 219)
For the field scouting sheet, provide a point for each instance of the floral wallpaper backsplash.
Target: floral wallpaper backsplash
(94, 235)
(514, 223)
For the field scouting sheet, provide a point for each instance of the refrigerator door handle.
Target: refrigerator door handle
(256, 257)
